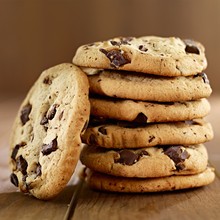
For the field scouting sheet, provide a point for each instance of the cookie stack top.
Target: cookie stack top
(153, 55)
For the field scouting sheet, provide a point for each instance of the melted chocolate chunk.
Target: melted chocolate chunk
(141, 118)
(117, 57)
(44, 120)
(25, 112)
(151, 138)
(38, 170)
(204, 77)
(115, 43)
(22, 165)
(123, 40)
(191, 47)
(49, 148)
(102, 130)
(126, 40)
(15, 150)
(142, 48)
(51, 113)
(47, 81)
(14, 179)
(177, 154)
(127, 157)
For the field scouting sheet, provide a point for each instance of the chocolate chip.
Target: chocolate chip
(51, 113)
(142, 48)
(117, 57)
(204, 77)
(102, 130)
(22, 165)
(127, 157)
(15, 150)
(38, 170)
(25, 113)
(44, 120)
(141, 118)
(47, 81)
(143, 153)
(151, 138)
(48, 148)
(123, 40)
(191, 47)
(126, 40)
(115, 43)
(177, 154)
(14, 179)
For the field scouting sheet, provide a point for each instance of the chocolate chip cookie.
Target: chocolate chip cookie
(139, 111)
(115, 134)
(106, 182)
(159, 161)
(45, 141)
(145, 87)
(154, 55)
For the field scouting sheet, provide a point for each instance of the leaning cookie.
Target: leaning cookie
(139, 111)
(45, 141)
(136, 86)
(155, 55)
(146, 162)
(135, 135)
(106, 182)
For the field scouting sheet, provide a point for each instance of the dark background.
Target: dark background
(37, 34)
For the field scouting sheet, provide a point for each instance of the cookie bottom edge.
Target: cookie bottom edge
(104, 182)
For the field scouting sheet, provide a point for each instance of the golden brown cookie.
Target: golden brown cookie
(139, 111)
(45, 140)
(146, 162)
(169, 56)
(115, 134)
(136, 86)
(106, 182)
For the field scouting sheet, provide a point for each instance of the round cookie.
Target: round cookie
(146, 162)
(45, 140)
(149, 88)
(106, 182)
(138, 86)
(131, 135)
(150, 54)
(139, 111)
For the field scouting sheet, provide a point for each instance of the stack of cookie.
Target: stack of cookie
(148, 100)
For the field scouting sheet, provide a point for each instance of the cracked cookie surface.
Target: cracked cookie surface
(45, 140)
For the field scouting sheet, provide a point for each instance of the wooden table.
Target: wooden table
(78, 202)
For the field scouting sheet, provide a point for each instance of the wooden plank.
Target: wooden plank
(201, 203)
(16, 205)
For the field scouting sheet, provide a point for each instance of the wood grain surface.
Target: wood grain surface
(77, 201)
